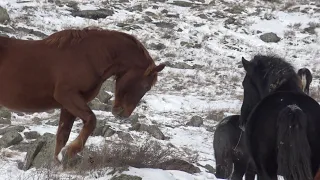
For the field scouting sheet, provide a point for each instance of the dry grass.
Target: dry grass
(119, 156)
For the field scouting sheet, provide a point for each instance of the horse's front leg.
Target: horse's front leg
(76, 105)
(64, 129)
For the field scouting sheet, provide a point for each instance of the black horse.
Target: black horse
(281, 122)
(306, 78)
(230, 150)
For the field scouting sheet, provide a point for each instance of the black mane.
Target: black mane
(277, 72)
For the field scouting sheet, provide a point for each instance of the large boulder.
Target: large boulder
(270, 37)
(4, 16)
(41, 152)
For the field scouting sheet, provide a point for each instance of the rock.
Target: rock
(4, 16)
(73, 5)
(103, 96)
(37, 121)
(5, 121)
(310, 30)
(139, 127)
(158, 1)
(10, 138)
(182, 3)
(133, 119)
(165, 25)
(177, 164)
(237, 9)
(95, 104)
(125, 136)
(152, 130)
(109, 132)
(195, 121)
(41, 152)
(4, 113)
(270, 37)
(53, 122)
(31, 135)
(108, 85)
(135, 8)
(155, 132)
(100, 129)
(126, 177)
(11, 128)
(158, 46)
(6, 29)
(22, 146)
(210, 168)
(31, 31)
(93, 14)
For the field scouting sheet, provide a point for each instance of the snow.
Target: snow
(214, 87)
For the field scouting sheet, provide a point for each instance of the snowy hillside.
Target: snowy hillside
(202, 43)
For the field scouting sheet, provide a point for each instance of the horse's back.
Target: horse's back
(262, 122)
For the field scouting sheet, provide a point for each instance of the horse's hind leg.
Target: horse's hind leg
(64, 129)
(77, 105)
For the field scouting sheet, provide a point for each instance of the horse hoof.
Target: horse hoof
(68, 161)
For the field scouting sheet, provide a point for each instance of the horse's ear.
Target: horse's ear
(159, 68)
(246, 65)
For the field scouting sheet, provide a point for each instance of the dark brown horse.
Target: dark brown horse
(66, 71)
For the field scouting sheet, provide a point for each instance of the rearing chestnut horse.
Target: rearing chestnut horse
(66, 71)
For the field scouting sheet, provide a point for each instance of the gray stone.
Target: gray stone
(125, 136)
(41, 152)
(195, 121)
(126, 177)
(177, 164)
(31, 135)
(165, 25)
(10, 138)
(6, 29)
(108, 85)
(103, 96)
(32, 31)
(270, 37)
(155, 132)
(135, 8)
(11, 128)
(22, 146)
(182, 3)
(109, 132)
(53, 122)
(4, 113)
(5, 121)
(157, 46)
(93, 14)
(37, 121)
(4, 16)
(95, 104)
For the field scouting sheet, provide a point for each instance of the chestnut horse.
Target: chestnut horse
(66, 71)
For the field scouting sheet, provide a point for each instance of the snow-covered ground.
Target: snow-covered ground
(197, 36)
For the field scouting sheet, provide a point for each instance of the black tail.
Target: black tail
(293, 148)
(223, 153)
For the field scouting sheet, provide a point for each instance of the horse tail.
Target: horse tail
(294, 152)
(223, 153)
